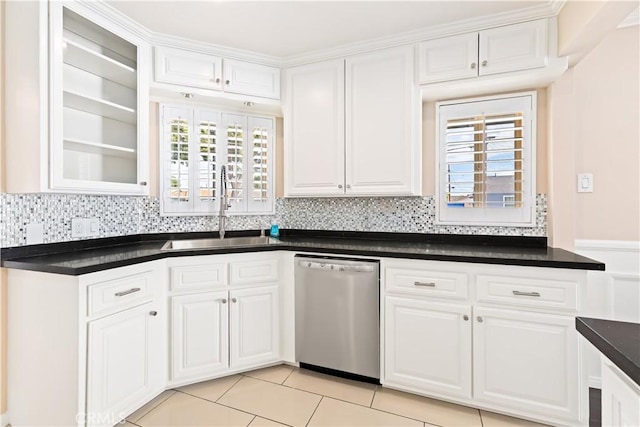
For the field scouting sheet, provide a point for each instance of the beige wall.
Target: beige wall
(3, 277)
(429, 144)
(594, 115)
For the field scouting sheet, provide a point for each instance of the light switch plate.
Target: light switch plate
(585, 183)
(77, 227)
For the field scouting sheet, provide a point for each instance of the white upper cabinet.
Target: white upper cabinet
(314, 130)
(204, 71)
(188, 68)
(353, 126)
(512, 48)
(498, 50)
(98, 104)
(449, 58)
(382, 124)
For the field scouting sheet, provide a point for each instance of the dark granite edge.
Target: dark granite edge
(621, 360)
(452, 239)
(25, 263)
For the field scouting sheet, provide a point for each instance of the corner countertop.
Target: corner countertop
(618, 341)
(88, 256)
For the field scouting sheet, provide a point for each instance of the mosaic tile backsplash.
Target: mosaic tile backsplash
(123, 215)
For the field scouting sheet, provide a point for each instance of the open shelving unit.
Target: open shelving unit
(95, 101)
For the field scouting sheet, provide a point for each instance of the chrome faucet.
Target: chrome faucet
(224, 202)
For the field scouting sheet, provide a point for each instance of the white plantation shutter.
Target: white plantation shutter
(196, 143)
(486, 161)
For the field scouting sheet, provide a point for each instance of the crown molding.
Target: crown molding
(167, 40)
(632, 20)
(116, 17)
(544, 10)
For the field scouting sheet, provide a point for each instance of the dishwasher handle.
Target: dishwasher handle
(328, 266)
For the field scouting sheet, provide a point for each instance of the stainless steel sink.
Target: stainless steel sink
(229, 242)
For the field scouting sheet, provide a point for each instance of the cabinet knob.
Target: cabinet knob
(143, 183)
(465, 317)
(480, 320)
(339, 185)
(484, 63)
(223, 300)
(348, 185)
(473, 65)
(234, 300)
(227, 82)
(218, 80)
(153, 313)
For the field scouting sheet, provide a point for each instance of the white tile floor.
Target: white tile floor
(284, 395)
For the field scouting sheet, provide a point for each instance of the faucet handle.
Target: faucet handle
(261, 232)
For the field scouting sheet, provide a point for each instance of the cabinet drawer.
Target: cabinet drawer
(194, 277)
(250, 272)
(115, 295)
(528, 292)
(440, 284)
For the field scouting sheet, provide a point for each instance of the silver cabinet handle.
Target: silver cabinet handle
(473, 65)
(348, 185)
(339, 185)
(227, 82)
(223, 300)
(526, 294)
(425, 284)
(218, 80)
(143, 183)
(480, 319)
(153, 313)
(234, 300)
(130, 291)
(465, 317)
(484, 63)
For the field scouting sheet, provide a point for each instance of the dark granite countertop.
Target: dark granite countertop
(87, 256)
(618, 341)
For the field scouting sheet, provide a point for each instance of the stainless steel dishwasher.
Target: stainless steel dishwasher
(338, 316)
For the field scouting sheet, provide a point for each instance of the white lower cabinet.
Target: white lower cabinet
(124, 357)
(513, 337)
(200, 334)
(620, 397)
(525, 360)
(227, 324)
(254, 326)
(428, 345)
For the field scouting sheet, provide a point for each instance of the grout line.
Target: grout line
(227, 391)
(481, 421)
(154, 407)
(252, 419)
(374, 396)
(290, 373)
(314, 411)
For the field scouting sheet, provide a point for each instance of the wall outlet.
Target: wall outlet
(35, 233)
(85, 227)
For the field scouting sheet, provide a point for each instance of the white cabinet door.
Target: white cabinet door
(186, 68)
(428, 346)
(251, 79)
(314, 130)
(514, 47)
(620, 397)
(254, 331)
(527, 361)
(125, 356)
(382, 130)
(200, 337)
(449, 58)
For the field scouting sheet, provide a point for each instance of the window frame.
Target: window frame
(195, 115)
(489, 216)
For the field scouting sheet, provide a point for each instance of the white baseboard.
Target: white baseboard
(4, 419)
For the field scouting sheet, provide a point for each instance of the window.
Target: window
(486, 161)
(196, 143)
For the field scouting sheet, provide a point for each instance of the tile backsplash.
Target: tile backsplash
(123, 215)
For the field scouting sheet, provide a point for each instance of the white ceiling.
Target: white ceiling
(289, 28)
